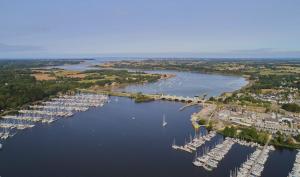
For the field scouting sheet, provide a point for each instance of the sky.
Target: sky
(149, 28)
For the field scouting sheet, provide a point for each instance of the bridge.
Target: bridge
(181, 99)
(190, 100)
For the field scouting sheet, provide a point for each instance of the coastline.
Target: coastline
(208, 108)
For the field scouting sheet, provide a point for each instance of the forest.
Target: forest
(19, 86)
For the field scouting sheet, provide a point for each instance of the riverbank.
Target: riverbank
(138, 97)
(262, 103)
(97, 135)
(213, 115)
(24, 86)
(240, 99)
(110, 81)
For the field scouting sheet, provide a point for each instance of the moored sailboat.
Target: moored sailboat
(164, 123)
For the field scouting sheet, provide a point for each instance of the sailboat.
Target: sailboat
(164, 121)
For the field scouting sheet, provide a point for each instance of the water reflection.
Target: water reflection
(190, 84)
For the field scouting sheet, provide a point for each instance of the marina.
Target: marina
(114, 88)
(254, 165)
(97, 133)
(210, 160)
(195, 142)
(296, 168)
(49, 111)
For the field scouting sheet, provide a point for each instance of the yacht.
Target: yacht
(164, 121)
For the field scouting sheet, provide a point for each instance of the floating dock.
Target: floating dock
(254, 165)
(296, 168)
(194, 143)
(49, 111)
(210, 160)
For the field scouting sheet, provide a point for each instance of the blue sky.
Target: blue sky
(177, 28)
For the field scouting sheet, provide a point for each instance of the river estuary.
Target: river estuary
(125, 139)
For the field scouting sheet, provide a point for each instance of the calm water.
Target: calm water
(191, 84)
(184, 84)
(107, 141)
(86, 65)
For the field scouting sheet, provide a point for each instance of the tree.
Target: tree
(292, 107)
(230, 131)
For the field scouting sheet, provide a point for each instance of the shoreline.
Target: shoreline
(207, 110)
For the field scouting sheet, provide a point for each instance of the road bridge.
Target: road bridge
(181, 99)
(190, 100)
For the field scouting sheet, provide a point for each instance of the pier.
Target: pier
(195, 142)
(210, 160)
(296, 168)
(49, 111)
(254, 165)
(187, 105)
